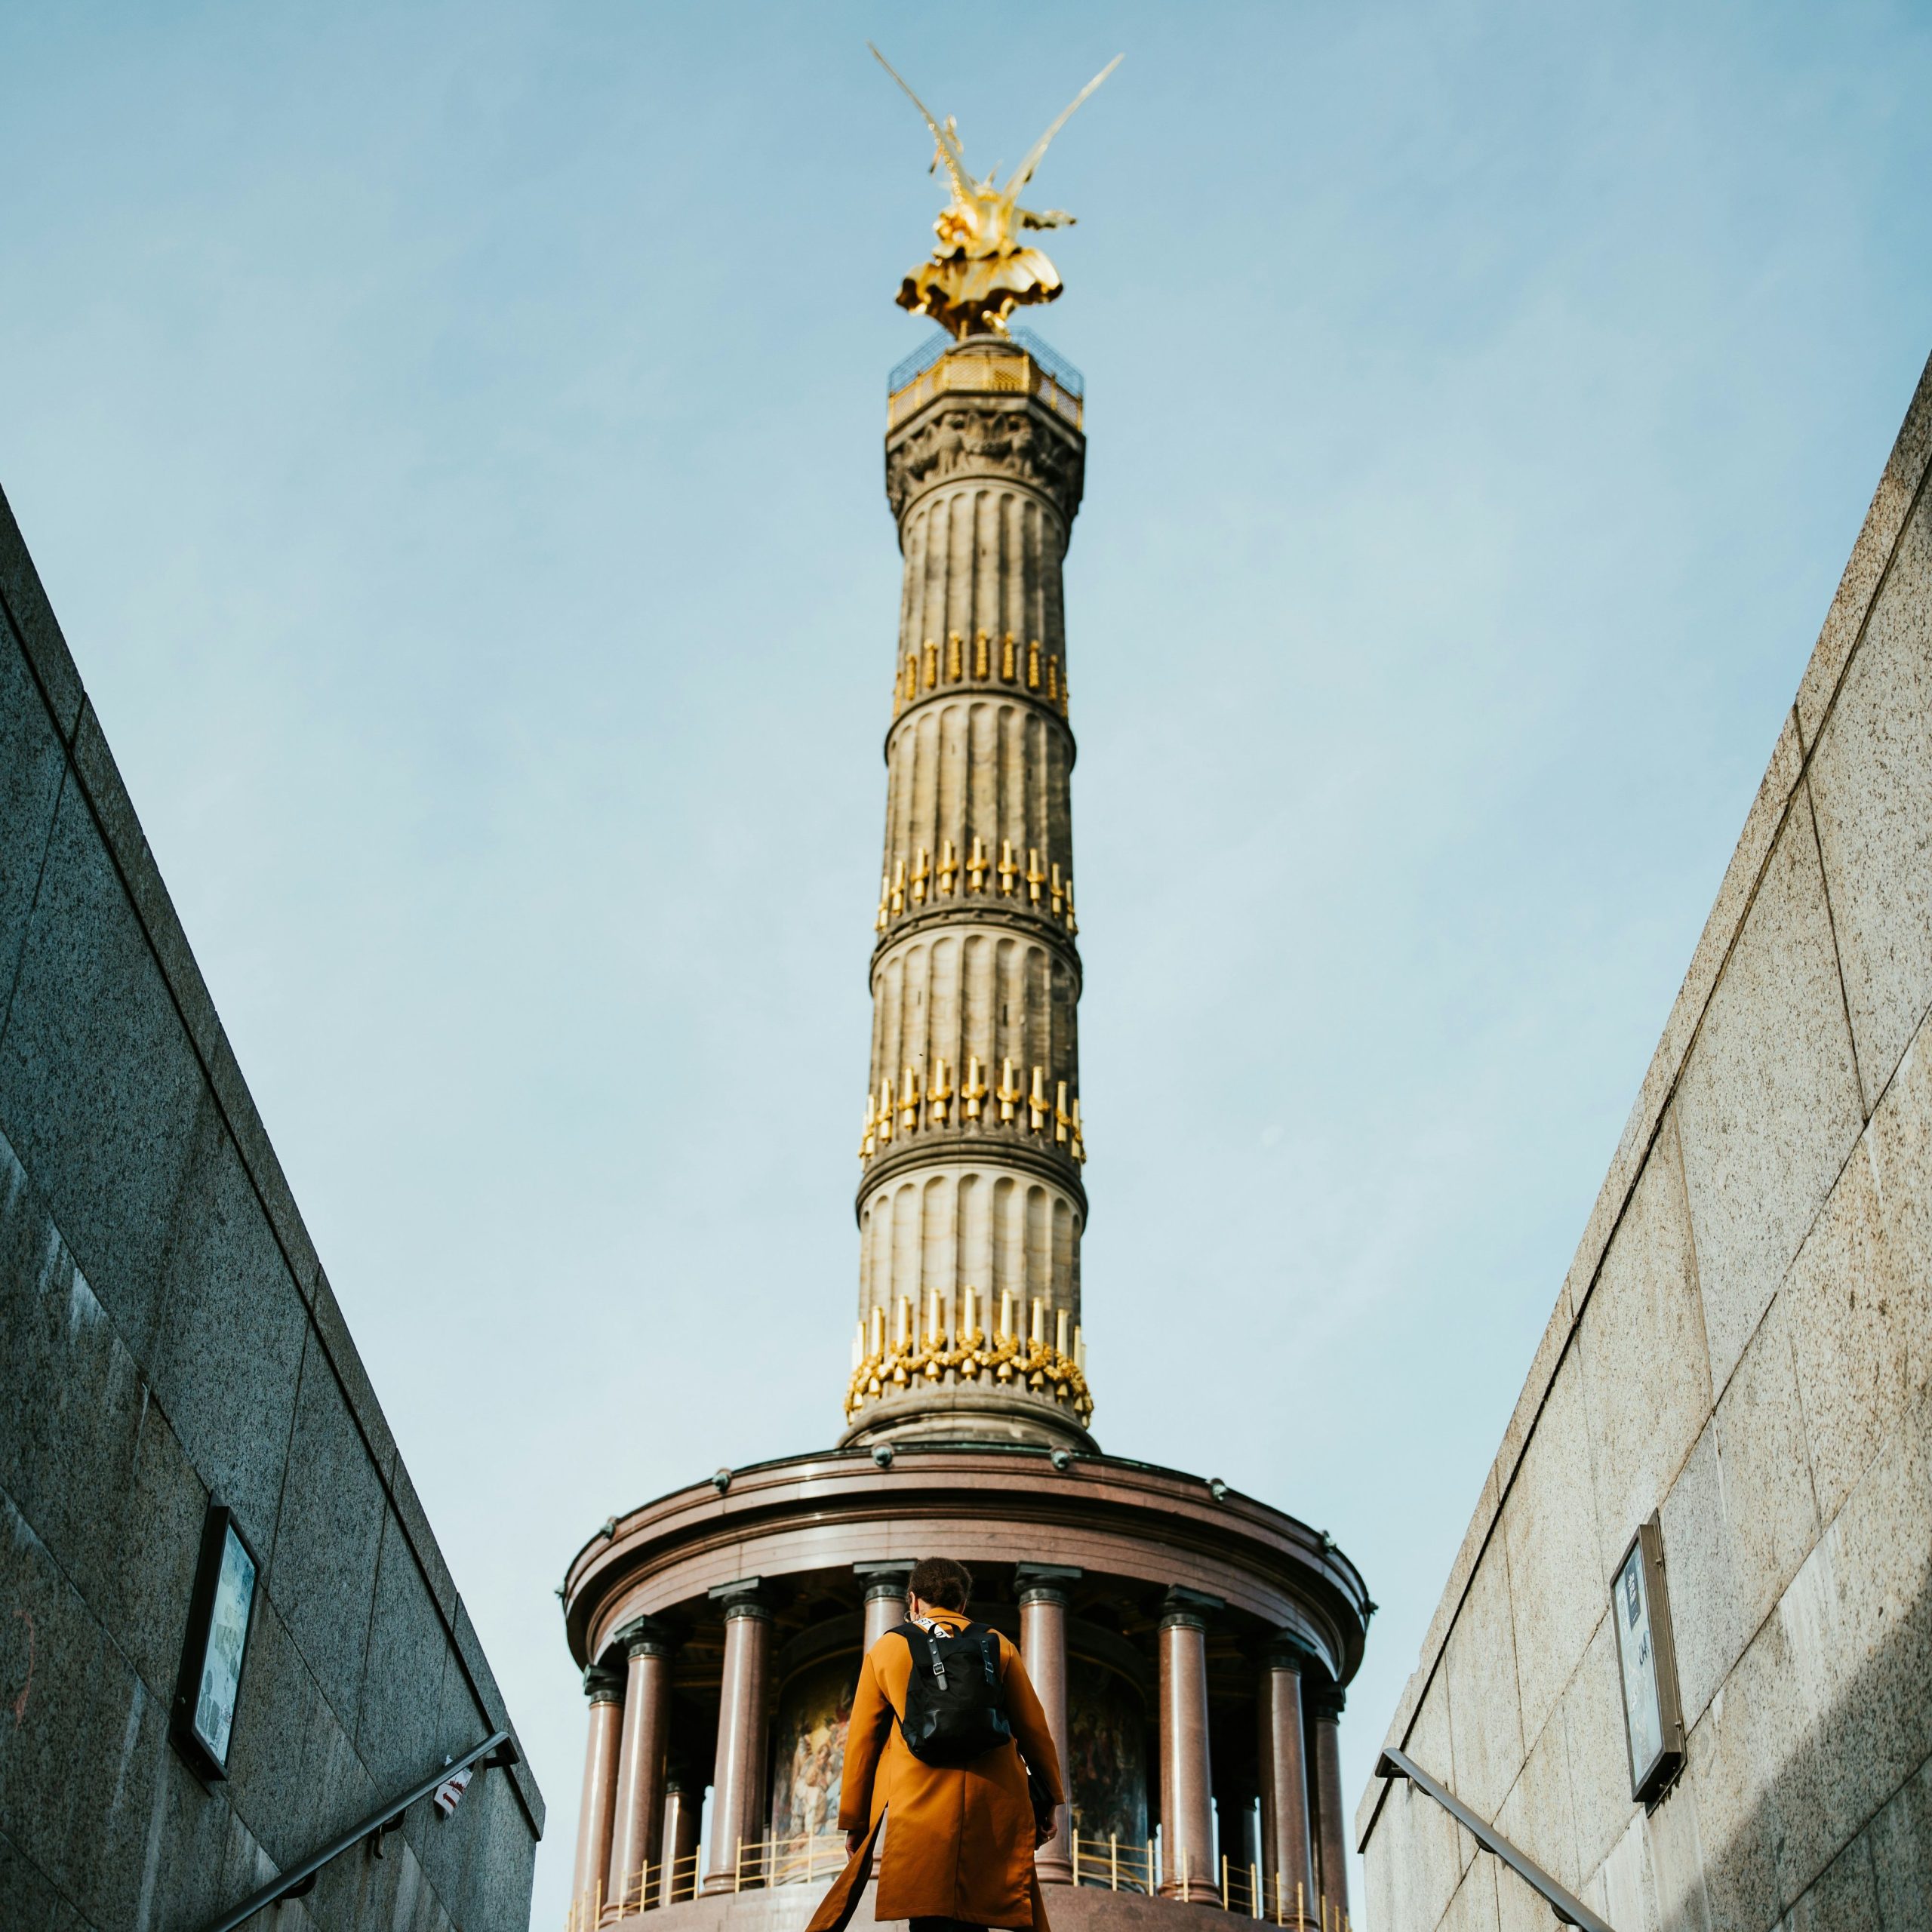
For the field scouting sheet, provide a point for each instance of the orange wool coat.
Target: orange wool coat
(959, 1844)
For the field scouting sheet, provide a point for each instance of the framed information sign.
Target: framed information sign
(216, 1644)
(1652, 1720)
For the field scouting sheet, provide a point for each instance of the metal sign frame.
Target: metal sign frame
(228, 1567)
(1646, 1665)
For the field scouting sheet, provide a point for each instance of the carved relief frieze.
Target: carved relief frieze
(992, 436)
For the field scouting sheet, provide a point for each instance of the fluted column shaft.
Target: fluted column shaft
(1287, 1866)
(598, 1807)
(646, 1740)
(1325, 1702)
(1187, 1821)
(737, 1786)
(970, 1206)
(1043, 1647)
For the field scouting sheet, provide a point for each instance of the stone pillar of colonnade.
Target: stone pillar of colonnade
(598, 1809)
(1237, 1837)
(1043, 1589)
(970, 1207)
(684, 1823)
(1287, 1859)
(640, 1762)
(1188, 1870)
(1325, 1701)
(885, 1596)
(738, 1784)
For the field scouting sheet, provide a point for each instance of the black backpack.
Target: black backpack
(956, 1709)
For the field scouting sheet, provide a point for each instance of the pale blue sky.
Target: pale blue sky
(450, 435)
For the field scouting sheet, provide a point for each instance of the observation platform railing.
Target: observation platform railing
(991, 371)
(1105, 1864)
(1239, 1889)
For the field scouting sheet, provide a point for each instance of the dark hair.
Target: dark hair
(942, 1582)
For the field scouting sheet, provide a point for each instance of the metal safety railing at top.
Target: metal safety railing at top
(1240, 1889)
(1042, 352)
(998, 373)
(1052, 361)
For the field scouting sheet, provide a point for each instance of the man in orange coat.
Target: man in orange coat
(960, 1850)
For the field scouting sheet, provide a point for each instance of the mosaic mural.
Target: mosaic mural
(1107, 1754)
(808, 1748)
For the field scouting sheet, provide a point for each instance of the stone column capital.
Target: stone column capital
(1182, 1608)
(1287, 1650)
(884, 1580)
(1325, 1698)
(645, 1637)
(604, 1686)
(1044, 1582)
(745, 1598)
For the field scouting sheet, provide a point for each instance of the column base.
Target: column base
(1191, 1891)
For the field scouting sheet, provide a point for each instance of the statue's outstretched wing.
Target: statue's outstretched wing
(1023, 173)
(946, 142)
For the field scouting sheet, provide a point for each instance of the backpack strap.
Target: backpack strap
(918, 1639)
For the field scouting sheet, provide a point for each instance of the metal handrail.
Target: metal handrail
(1051, 360)
(1393, 1763)
(295, 1884)
(921, 359)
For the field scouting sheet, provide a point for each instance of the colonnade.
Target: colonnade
(641, 1810)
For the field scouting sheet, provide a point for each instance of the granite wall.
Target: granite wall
(167, 1332)
(1744, 1343)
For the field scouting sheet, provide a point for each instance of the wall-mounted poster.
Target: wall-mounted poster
(1640, 1608)
(808, 1750)
(215, 1645)
(1106, 1749)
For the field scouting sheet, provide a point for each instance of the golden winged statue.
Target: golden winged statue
(981, 271)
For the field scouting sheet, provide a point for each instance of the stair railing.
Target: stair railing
(1393, 1763)
(293, 1884)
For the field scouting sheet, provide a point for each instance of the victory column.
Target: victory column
(1191, 1644)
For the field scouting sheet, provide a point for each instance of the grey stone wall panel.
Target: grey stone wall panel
(1674, 1857)
(1770, 1102)
(1900, 1838)
(1646, 1306)
(99, 1089)
(226, 1355)
(1549, 1528)
(36, 630)
(345, 1359)
(33, 766)
(1899, 1143)
(48, 1651)
(158, 1298)
(1705, 1597)
(399, 1723)
(1485, 1710)
(1900, 487)
(1850, 1318)
(1871, 781)
(85, 1450)
(1539, 1816)
(1591, 1715)
(1473, 1909)
(324, 1564)
(1771, 1514)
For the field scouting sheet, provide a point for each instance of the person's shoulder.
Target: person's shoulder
(890, 1647)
